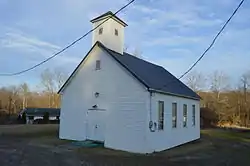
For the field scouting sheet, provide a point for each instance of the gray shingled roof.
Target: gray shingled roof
(152, 76)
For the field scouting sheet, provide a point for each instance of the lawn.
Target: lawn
(236, 135)
(24, 130)
(31, 143)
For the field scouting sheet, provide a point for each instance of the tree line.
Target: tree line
(17, 97)
(230, 102)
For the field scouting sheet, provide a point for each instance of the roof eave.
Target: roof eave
(173, 94)
(110, 16)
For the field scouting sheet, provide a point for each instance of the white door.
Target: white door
(96, 125)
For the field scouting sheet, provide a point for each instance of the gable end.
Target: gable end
(74, 72)
(109, 53)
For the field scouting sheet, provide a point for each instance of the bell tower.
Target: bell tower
(110, 33)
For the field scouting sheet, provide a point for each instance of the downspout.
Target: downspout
(152, 125)
(150, 106)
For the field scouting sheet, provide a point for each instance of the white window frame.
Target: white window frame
(193, 115)
(160, 115)
(174, 115)
(185, 112)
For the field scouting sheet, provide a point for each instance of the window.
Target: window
(100, 31)
(116, 32)
(184, 115)
(174, 115)
(98, 65)
(193, 115)
(161, 115)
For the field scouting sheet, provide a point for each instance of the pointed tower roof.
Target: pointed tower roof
(106, 15)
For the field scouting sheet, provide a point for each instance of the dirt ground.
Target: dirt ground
(38, 145)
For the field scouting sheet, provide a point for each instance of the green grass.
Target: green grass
(47, 130)
(211, 141)
(228, 135)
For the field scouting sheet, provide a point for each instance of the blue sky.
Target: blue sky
(171, 33)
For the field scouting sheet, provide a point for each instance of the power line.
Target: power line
(214, 40)
(68, 46)
(210, 46)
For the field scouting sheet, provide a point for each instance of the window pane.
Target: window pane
(100, 31)
(184, 115)
(116, 32)
(98, 65)
(161, 115)
(174, 115)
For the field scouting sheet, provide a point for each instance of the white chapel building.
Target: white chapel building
(123, 101)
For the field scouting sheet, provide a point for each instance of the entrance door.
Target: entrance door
(96, 125)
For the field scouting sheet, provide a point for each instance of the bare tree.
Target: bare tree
(4, 97)
(13, 99)
(52, 82)
(24, 89)
(60, 78)
(1, 105)
(245, 82)
(219, 82)
(196, 81)
(47, 80)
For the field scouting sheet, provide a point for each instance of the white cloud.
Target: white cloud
(171, 41)
(28, 43)
(178, 15)
(33, 47)
(180, 51)
(147, 10)
(80, 8)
